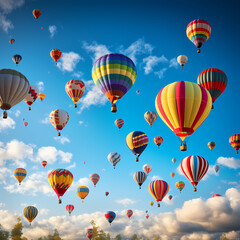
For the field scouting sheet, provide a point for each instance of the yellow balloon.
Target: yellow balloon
(20, 174)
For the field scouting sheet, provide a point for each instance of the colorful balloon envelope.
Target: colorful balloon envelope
(137, 142)
(183, 106)
(31, 96)
(44, 163)
(158, 140)
(150, 117)
(59, 118)
(94, 178)
(216, 168)
(20, 174)
(158, 189)
(82, 192)
(75, 89)
(69, 209)
(17, 58)
(174, 160)
(147, 168)
(89, 233)
(41, 96)
(106, 194)
(214, 80)
(194, 168)
(170, 197)
(216, 195)
(60, 180)
(137, 91)
(180, 185)
(36, 13)
(30, 213)
(114, 158)
(110, 216)
(172, 174)
(198, 32)
(114, 74)
(151, 203)
(234, 140)
(147, 216)
(119, 123)
(25, 124)
(11, 40)
(140, 178)
(55, 54)
(211, 145)
(129, 213)
(182, 60)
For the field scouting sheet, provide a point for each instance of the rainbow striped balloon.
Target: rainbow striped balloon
(119, 123)
(94, 178)
(211, 145)
(198, 32)
(234, 140)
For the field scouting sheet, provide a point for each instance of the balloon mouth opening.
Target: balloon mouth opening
(114, 108)
(4, 115)
(5, 106)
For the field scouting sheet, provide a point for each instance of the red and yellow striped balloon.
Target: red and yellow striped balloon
(55, 54)
(234, 140)
(94, 178)
(158, 140)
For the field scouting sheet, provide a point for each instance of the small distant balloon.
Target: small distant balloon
(30, 212)
(158, 140)
(25, 124)
(140, 178)
(211, 145)
(110, 216)
(216, 168)
(114, 158)
(36, 13)
(55, 54)
(106, 194)
(129, 213)
(147, 168)
(151, 203)
(94, 178)
(44, 163)
(17, 58)
(180, 185)
(41, 96)
(182, 60)
(172, 174)
(11, 40)
(69, 209)
(119, 123)
(150, 117)
(137, 91)
(174, 160)
(170, 197)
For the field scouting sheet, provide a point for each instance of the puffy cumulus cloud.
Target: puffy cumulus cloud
(94, 97)
(229, 162)
(8, 219)
(153, 178)
(2, 205)
(5, 23)
(152, 61)
(173, 63)
(6, 124)
(160, 73)
(45, 120)
(62, 139)
(17, 113)
(125, 201)
(40, 86)
(81, 182)
(44, 211)
(200, 236)
(52, 30)
(69, 61)
(4, 174)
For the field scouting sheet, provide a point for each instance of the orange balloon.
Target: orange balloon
(172, 174)
(41, 96)
(55, 54)
(36, 13)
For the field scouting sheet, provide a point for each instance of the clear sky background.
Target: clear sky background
(144, 31)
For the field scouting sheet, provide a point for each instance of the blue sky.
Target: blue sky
(144, 31)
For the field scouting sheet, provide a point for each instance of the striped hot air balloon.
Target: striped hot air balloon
(140, 178)
(119, 123)
(198, 32)
(69, 209)
(41, 96)
(30, 213)
(180, 185)
(20, 174)
(234, 140)
(44, 163)
(150, 117)
(114, 158)
(211, 145)
(110, 216)
(114, 74)
(17, 58)
(55, 54)
(129, 213)
(89, 233)
(137, 142)
(158, 140)
(31, 96)
(194, 168)
(82, 192)
(147, 168)
(94, 178)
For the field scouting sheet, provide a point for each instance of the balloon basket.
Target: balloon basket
(59, 201)
(194, 189)
(59, 134)
(19, 184)
(198, 50)
(4, 115)
(182, 66)
(139, 187)
(75, 105)
(183, 147)
(29, 108)
(114, 108)
(137, 159)
(158, 205)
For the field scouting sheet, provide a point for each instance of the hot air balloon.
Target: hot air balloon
(84, 162)
(140, 178)
(198, 32)
(211, 145)
(119, 123)
(147, 168)
(25, 124)
(216, 168)
(110, 216)
(59, 118)
(150, 117)
(94, 178)
(11, 40)
(20, 174)
(114, 74)
(55, 54)
(183, 106)
(17, 58)
(151, 203)
(216, 195)
(172, 174)
(31, 96)
(69, 209)
(89, 233)
(214, 80)
(41, 96)
(158, 190)
(174, 160)
(30, 213)
(44, 163)
(82, 192)
(158, 140)
(60, 180)
(147, 216)
(137, 91)
(114, 158)
(194, 168)
(106, 194)
(234, 140)
(182, 60)
(129, 213)
(170, 197)
(36, 13)
(180, 185)
(75, 89)
(137, 141)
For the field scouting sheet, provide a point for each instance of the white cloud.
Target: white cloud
(78, 74)
(8, 123)
(45, 120)
(125, 201)
(173, 63)
(94, 97)
(61, 139)
(152, 61)
(44, 211)
(17, 113)
(4, 174)
(52, 29)
(80, 122)
(69, 61)
(153, 178)
(40, 86)
(72, 166)
(229, 162)
(81, 182)
(160, 73)
(98, 50)
(2, 205)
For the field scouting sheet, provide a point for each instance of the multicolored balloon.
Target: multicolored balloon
(41, 96)
(174, 160)
(59, 118)
(172, 174)
(94, 178)
(234, 140)
(214, 80)
(137, 142)
(82, 192)
(151, 203)
(198, 32)
(11, 40)
(140, 178)
(55, 54)
(114, 74)
(216, 168)
(110, 216)
(158, 189)
(17, 58)
(216, 195)
(106, 194)
(150, 117)
(30, 212)
(137, 91)
(89, 233)
(194, 168)
(147, 168)
(36, 13)
(180, 185)
(182, 60)
(20, 174)
(114, 158)
(119, 123)
(129, 213)
(170, 197)
(69, 209)
(211, 145)
(158, 140)
(31, 96)
(44, 163)
(60, 180)
(75, 89)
